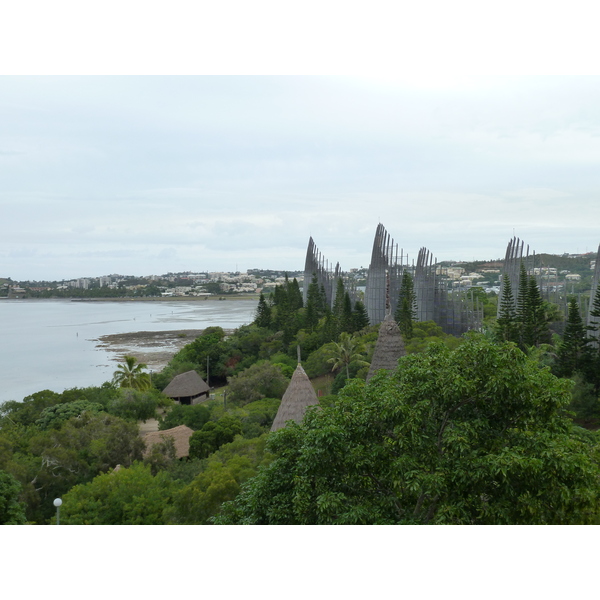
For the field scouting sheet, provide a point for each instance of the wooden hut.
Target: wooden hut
(188, 388)
(299, 395)
(389, 347)
(181, 438)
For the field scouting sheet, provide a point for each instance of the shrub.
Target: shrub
(263, 379)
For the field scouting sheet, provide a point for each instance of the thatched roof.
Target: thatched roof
(181, 436)
(186, 385)
(299, 395)
(389, 347)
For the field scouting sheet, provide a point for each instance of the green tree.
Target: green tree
(132, 375)
(347, 321)
(426, 333)
(220, 481)
(29, 410)
(407, 306)
(538, 315)
(315, 309)
(131, 496)
(346, 351)
(55, 416)
(213, 435)
(263, 313)
(360, 316)
(506, 328)
(572, 351)
(195, 416)
(585, 403)
(12, 510)
(83, 447)
(133, 405)
(523, 310)
(285, 315)
(161, 456)
(338, 307)
(294, 294)
(531, 312)
(262, 380)
(477, 435)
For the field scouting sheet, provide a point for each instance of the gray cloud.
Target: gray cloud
(142, 175)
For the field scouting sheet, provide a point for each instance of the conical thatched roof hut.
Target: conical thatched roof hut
(389, 347)
(181, 437)
(187, 388)
(299, 395)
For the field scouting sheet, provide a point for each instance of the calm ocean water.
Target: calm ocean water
(49, 344)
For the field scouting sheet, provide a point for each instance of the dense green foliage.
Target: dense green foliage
(55, 416)
(213, 435)
(12, 510)
(134, 405)
(485, 440)
(468, 430)
(572, 351)
(425, 333)
(407, 301)
(192, 415)
(525, 322)
(506, 327)
(130, 496)
(262, 380)
(48, 462)
(219, 480)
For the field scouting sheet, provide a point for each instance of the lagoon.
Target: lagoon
(52, 344)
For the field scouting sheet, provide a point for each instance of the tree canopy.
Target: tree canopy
(479, 434)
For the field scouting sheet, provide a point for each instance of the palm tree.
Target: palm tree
(347, 350)
(131, 375)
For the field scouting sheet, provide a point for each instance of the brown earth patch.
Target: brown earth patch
(154, 348)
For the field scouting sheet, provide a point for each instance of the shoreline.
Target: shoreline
(64, 340)
(153, 348)
(159, 299)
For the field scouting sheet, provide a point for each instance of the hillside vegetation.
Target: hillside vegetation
(480, 429)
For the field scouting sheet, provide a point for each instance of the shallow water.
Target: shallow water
(51, 344)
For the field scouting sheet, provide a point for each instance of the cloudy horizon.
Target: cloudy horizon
(148, 175)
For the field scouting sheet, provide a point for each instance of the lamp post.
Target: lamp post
(57, 503)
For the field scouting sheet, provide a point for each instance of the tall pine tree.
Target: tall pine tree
(506, 324)
(294, 294)
(360, 315)
(338, 314)
(314, 305)
(347, 322)
(572, 351)
(523, 312)
(531, 314)
(263, 313)
(539, 315)
(406, 311)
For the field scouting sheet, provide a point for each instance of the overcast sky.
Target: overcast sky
(143, 175)
(148, 174)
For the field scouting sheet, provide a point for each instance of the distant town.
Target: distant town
(571, 272)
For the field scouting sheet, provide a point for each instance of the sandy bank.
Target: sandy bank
(155, 348)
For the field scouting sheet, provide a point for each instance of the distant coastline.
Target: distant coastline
(63, 338)
(162, 298)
